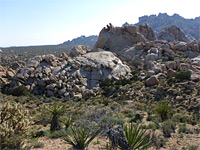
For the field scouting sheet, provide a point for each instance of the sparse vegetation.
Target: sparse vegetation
(168, 127)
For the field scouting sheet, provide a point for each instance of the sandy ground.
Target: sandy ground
(59, 144)
(174, 142)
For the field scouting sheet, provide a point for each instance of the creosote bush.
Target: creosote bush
(183, 75)
(168, 127)
(19, 91)
(14, 124)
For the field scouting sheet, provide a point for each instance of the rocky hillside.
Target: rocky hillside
(82, 40)
(132, 45)
(130, 78)
(191, 27)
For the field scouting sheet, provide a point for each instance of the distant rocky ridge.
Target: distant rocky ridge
(191, 27)
(82, 40)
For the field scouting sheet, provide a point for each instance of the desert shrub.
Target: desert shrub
(170, 58)
(14, 124)
(183, 129)
(171, 81)
(80, 137)
(168, 127)
(149, 117)
(163, 109)
(193, 147)
(136, 118)
(19, 91)
(108, 121)
(183, 75)
(137, 137)
(158, 140)
(106, 82)
(151, 126)
(180, 118)
(108, 90)
(37, 144)
(136, 63)
(123, 81)
(127, 111)
(55, 134)
(135, 75)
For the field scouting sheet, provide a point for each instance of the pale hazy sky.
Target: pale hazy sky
(42, 22)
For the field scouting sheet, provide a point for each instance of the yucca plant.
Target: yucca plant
(56, 111)
(67, 121)
(80, 137)
(137, 137)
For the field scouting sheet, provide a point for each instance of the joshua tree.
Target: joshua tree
(56, 111)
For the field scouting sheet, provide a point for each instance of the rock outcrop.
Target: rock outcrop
(65, 76)
(6, 74)
(147, 32)
(115, 38)
(171, 34)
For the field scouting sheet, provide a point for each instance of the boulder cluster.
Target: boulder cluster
(79, 73)
(5, 74)
(140, 46)
(75, 75)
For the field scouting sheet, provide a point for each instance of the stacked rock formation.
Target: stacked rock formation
(70, 77)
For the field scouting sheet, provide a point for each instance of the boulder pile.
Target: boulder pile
(65, 76)
(6, 74)
(146, 51)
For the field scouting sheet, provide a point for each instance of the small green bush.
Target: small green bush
(106, 82)
(180, 118)
(56, 134)
(170, 58)
(163, 109)
(193, 147)
(168, 127)
(151, 126)
(108, 90)
(110, 121)
(171, 81)
(183, 75)
(183, 129)
(19, 91)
